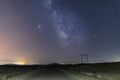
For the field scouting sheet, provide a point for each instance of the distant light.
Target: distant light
(21, 62)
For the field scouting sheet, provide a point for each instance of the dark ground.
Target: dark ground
(98, 71)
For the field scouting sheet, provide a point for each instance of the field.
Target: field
(98, 71)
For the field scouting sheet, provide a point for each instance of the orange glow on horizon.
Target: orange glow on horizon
(21, 62)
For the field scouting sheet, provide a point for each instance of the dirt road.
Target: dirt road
(51, 74)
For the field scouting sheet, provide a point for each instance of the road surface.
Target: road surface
(51, 74)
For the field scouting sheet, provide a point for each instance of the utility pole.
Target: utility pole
(84, 58)
(87, 58)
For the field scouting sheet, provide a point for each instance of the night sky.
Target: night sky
(59, 31)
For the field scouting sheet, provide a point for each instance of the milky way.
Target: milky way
(69, 27)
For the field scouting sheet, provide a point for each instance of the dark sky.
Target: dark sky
(59, 31)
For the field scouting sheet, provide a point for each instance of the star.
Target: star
(39, 26)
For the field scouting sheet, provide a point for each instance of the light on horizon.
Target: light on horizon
(21, 62)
